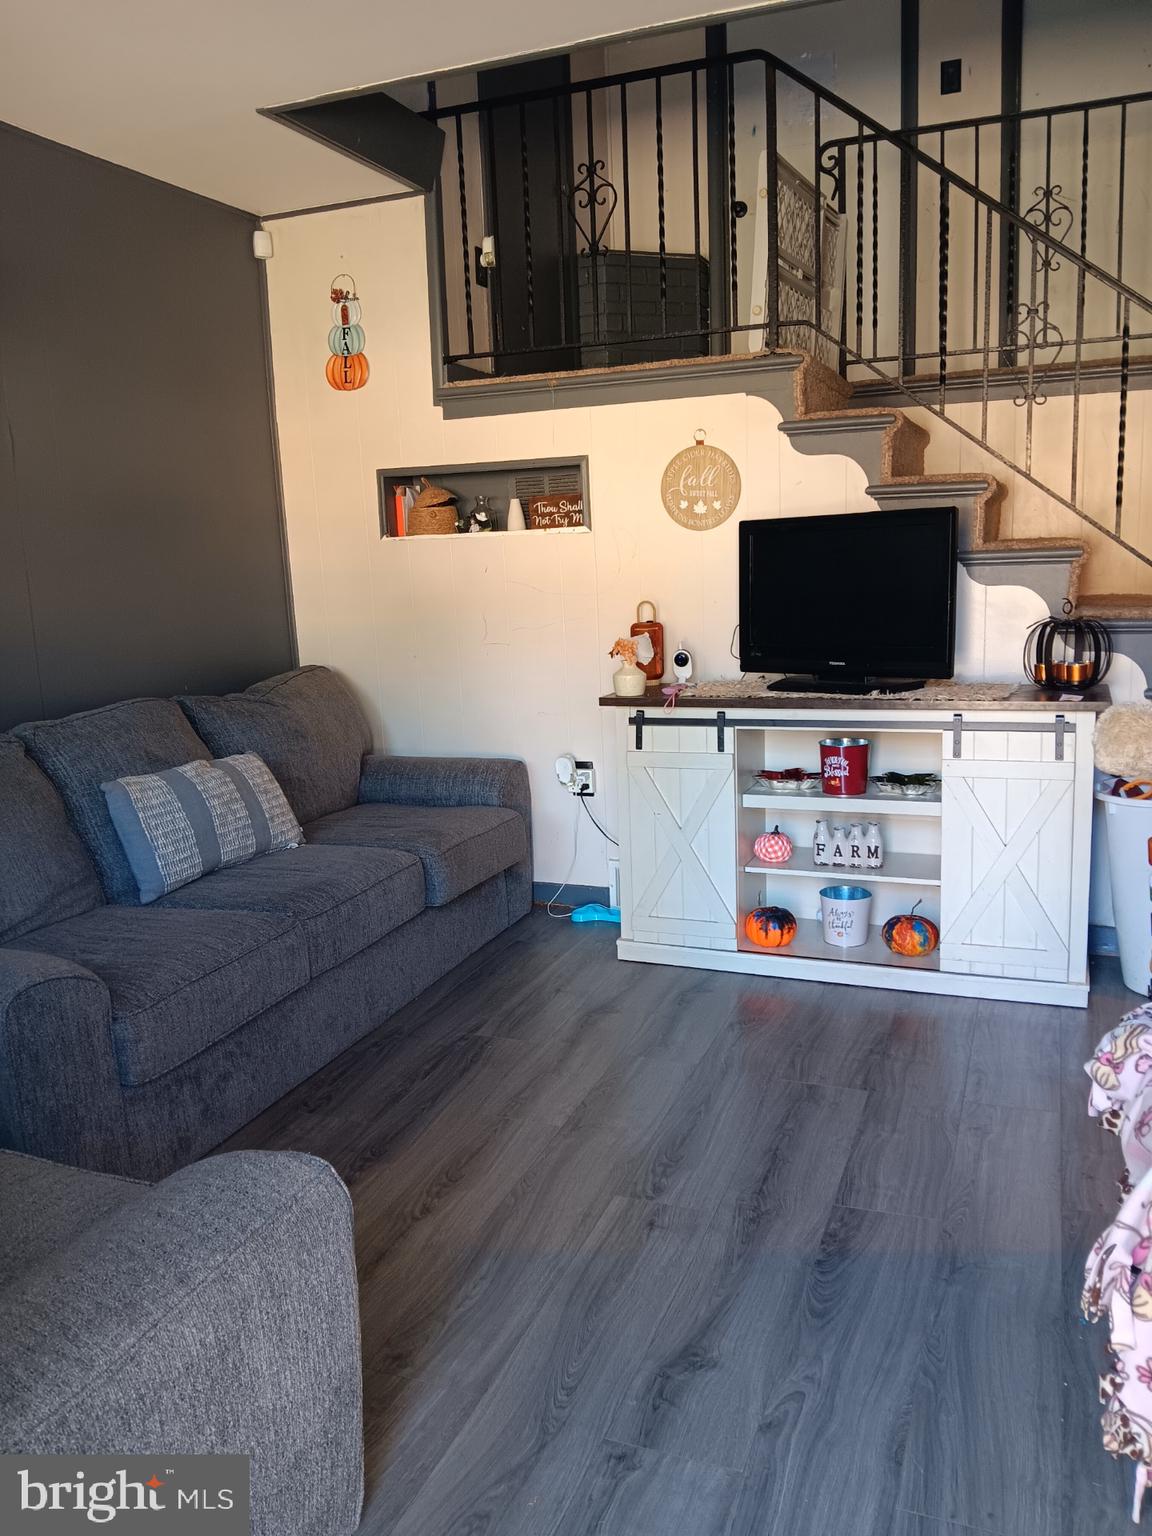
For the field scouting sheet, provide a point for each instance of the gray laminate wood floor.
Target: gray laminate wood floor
(648, 1251)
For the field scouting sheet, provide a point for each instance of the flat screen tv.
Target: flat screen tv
(856, 602)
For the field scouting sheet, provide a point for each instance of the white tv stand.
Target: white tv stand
(999, 859)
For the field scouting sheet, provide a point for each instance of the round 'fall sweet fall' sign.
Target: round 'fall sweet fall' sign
(701, 486)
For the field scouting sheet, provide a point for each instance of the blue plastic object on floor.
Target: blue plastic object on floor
(596, 912)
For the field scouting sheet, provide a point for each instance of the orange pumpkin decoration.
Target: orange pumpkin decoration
(910, 934)
(770, 927)
(350, 372)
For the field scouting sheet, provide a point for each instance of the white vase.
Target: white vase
(515, 521)
(821, 851)
(628, 681)
(856, 855)
(874, 846)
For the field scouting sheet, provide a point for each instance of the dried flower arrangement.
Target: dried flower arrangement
(625, 650)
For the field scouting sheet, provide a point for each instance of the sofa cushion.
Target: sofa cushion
(46, 1205)
(304, 724)
(343, 898)
(81, 752)
(459, 846)
(179, 979)
(183, 823)
(45, 873)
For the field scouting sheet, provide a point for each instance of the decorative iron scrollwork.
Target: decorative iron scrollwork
(831, 165)
(593, 191)
(1051, 214)
(1035, 328)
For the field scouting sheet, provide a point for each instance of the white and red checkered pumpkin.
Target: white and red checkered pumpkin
(773, 847)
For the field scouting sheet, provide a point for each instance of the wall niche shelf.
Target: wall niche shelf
(499, 480)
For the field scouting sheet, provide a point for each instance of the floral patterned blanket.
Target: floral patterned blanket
(1118, 1277)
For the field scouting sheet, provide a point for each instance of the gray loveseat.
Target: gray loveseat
(215, 1312)
(135, 1038)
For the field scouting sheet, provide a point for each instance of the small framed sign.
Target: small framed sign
(558, 511)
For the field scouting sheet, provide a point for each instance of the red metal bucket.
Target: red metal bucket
(844, 765)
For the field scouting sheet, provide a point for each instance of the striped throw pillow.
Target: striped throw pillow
(185, 822)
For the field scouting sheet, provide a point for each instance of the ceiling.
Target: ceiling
(173, 89)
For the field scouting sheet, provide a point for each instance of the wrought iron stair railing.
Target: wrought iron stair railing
(1077, 171)
(732, 205)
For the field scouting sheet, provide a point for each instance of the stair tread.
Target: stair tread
(816, 387)
(1047, 543)
(961, 477)
(884, 416)
(1115, 605)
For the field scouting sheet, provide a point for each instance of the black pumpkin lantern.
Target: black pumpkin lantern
(1068, 655)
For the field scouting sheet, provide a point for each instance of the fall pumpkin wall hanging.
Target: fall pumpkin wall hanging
(347, 366)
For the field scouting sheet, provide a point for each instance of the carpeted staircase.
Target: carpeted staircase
(892, 447)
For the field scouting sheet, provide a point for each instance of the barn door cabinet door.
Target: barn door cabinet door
(679, 874)
(1013, 858)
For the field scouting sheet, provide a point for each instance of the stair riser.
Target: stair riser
(1133, 638)
(977, 508)
(1050, 572)
(863, 446)
(883, 445)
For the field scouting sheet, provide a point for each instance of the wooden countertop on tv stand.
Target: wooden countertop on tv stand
(1024, 696)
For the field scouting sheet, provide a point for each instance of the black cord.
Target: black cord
(584, 802)
(733, 652)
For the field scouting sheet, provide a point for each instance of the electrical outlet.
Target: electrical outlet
(584, 779)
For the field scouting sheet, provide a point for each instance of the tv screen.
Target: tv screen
(857, 596)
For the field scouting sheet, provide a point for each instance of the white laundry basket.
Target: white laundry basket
(1129, 824)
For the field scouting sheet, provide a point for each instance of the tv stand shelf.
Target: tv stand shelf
(870, 805)
(998, 859)
(897, 869)
(809, 945)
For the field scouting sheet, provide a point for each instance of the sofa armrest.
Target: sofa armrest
(449, 781)
(445, 781)
(60, 1092)
(217, 1312)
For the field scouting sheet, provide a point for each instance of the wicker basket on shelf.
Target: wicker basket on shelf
(433, 511)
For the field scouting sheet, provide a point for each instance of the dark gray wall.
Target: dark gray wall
(141, 546)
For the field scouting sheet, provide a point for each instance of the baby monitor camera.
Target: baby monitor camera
(682, 665)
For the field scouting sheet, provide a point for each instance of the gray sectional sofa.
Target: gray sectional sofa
(214, 1312)
(135, 1038)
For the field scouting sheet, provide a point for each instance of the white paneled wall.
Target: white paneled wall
(499, 644)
